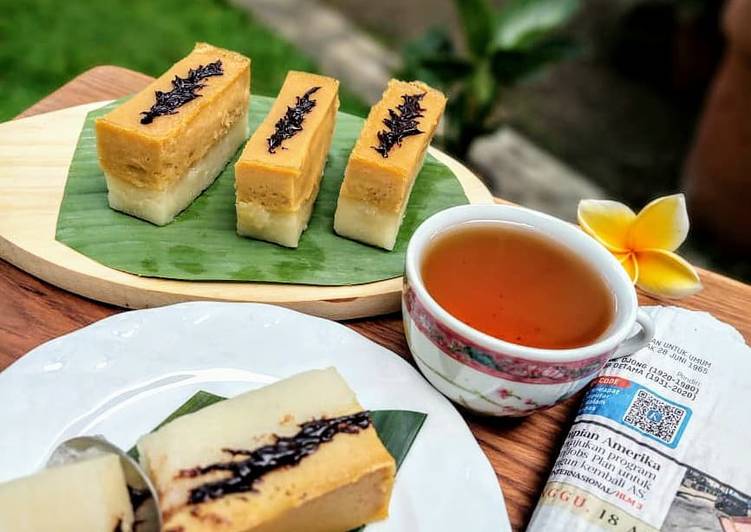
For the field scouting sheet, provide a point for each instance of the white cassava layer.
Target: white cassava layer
(361, 221)
(279, 227)
(161, 206)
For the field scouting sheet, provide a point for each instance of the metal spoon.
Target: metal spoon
(148, 518)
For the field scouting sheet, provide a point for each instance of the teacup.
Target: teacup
(495, 377)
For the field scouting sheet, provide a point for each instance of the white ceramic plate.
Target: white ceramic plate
(123, 375)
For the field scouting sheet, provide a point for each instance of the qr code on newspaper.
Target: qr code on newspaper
(654, 416)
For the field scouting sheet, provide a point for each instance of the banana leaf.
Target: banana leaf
(396, 428)
(201, 244)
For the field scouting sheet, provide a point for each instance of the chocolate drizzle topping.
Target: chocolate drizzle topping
(401, 123)
(286, 451)
(291, 123)
(183, 91)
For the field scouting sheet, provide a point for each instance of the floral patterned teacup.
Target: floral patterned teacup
(494, 377)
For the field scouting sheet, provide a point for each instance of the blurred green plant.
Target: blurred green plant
(44, 43)
(502, 46)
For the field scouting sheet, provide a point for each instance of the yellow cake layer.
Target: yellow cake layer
(286, 179)
(346, 482)
(161, 206)
(155, 155)
(385, 182)
(86, 496)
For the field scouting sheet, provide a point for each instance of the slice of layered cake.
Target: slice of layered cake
(279, 172)
(300, 455)
(86, 496)
(386, 159)
(167, 144)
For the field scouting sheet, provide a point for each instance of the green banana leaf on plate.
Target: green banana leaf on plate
(201, 244)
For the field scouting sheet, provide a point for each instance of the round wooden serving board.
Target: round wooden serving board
(35, 153)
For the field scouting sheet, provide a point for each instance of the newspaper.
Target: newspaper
(662, 439)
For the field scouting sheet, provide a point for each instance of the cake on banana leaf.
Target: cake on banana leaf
(279, 172)
(386, 159)
(163, 147)
(86, 496)
(299, 455)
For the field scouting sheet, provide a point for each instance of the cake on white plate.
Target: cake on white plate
(86, 496)
(300, 455)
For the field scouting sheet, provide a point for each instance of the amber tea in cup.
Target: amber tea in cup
(518, 285)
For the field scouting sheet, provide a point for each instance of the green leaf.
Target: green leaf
(523, 23)
(397, 429)
(511, 66)
(443, 71)
(483, 87)
(198, 401)
(202, 244)
(477, 23)
(432, 59)
(435, 41)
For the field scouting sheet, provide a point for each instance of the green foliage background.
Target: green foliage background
(503, 47)
(45, 43)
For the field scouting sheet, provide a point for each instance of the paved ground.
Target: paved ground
(339, 47)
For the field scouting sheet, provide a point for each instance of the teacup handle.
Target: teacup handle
(640, 339)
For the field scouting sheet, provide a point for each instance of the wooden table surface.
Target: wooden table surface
(521, 451)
